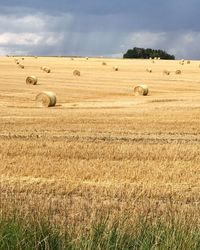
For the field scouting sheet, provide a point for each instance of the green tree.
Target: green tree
(147, 53)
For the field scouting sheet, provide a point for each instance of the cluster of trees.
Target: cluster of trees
(147, 53)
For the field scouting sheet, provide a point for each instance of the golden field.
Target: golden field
(100, 149)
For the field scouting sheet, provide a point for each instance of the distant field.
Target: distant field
(100, 149)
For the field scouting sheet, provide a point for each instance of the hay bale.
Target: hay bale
(116, 68)
(35, 57)
(188, 61)
(76, 72)
(149, 70)
(158, 58)
(87, 58)
(31, 80)
(72, 59)
(141, 90)
(46, 99)
(152, 61)
(181, 63)
(166, 72)
(178, 72)
(22, 58)
(21, 66)
(46, 69)
(104, 63)
(155, 58)
(17, 62)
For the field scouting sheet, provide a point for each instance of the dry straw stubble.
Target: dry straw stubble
(141, 89)
(46, 99)
(31, 80)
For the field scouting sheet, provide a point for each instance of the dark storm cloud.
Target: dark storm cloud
(94, 27)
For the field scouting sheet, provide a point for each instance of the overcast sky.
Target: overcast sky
(99, 27)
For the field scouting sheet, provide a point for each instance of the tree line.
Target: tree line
(147, 53)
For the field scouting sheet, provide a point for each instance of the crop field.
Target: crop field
(101, 150)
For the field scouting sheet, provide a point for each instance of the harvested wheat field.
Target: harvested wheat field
(100, 149)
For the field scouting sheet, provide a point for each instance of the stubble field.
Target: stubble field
(101, 150)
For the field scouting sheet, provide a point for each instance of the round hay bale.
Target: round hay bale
(104, 63)
(141, 90)
(72, 59)
(149, 70)
(46, 99)
(166, 72)
(158, 58)
(76, 72)
(188, 61)
(152, 61)
(31, 80)
(21, 66)
(35, 57)
(155, 58)
(87, 58)
(17, 62)
(178, 72)
(181, 63)
(116, 68)
(22, 58)
(46, 69)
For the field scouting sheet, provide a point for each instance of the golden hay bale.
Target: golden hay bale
(141, 90)
(46, 99)
(46, 69)
(87, 58)
(76, 72)
(152, 61)
(21, 66)
(155, 58)
(188, 61)
(149, 70)
(35, 57)
(17, 62)
(116, 68)
(178, 72)
(22, 58)
(158, 58)
(166, 72)
(181, 63)
(104, 63)
(31, 80)
(72, 58)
